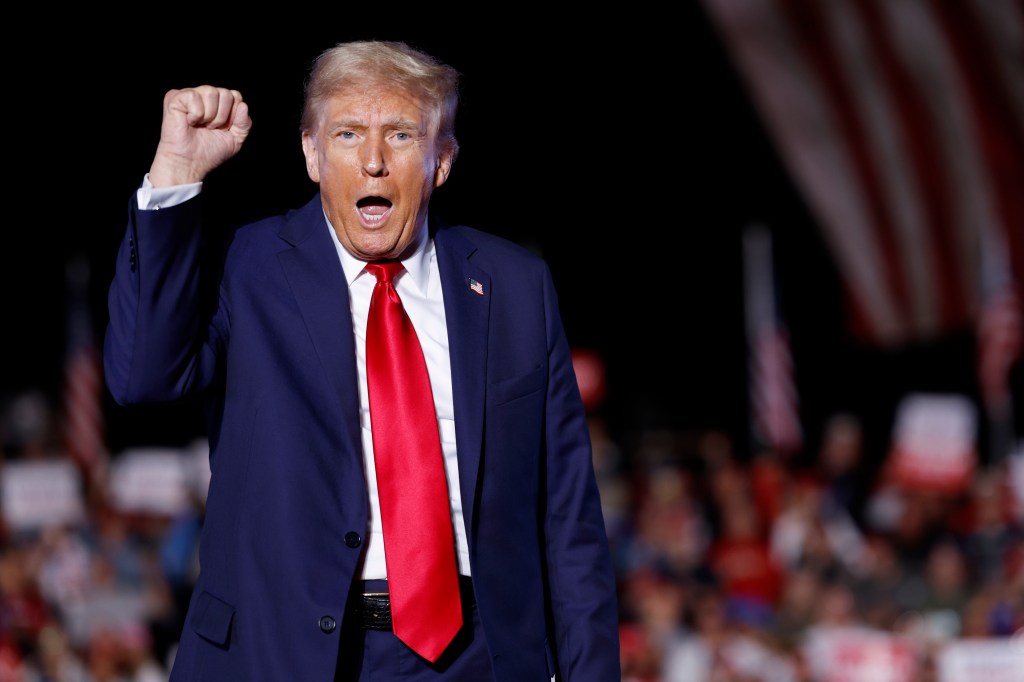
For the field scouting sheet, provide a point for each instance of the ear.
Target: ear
(312, 159)
(444, 167)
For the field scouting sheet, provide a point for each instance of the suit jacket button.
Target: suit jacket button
(327, 624)
(352, 539)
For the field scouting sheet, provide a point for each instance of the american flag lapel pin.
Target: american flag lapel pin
(476, 287)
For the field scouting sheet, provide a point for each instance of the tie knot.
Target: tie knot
(385, 271)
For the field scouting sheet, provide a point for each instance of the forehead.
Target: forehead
(375, 105)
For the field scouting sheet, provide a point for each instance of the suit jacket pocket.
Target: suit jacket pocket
(508, 390)
(212, 618)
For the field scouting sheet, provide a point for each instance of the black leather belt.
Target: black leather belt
(374, 605)
(375, 611)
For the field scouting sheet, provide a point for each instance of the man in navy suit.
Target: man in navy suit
(293, 581)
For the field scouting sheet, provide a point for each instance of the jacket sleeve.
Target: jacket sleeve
(580, 571)
(158, 344)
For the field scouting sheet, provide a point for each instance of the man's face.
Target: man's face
(376, 158)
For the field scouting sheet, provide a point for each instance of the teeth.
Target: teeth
(371, 218)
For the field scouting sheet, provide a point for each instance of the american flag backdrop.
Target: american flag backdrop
(1000, 332)
(1000, 340)
(774, 404)
(901, 123)
(82, 396)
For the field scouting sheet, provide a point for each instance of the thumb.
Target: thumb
(241, 122)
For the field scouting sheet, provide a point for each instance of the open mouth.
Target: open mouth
(373, 209)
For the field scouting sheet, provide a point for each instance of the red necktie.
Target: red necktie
(419, 547)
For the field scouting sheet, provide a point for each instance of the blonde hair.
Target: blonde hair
(362, 62)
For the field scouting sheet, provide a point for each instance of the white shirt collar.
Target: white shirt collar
(417, 264)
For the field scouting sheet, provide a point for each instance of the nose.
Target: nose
(373, 160)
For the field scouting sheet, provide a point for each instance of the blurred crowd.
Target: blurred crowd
(760, 569)
(731, 568)
(89, 591)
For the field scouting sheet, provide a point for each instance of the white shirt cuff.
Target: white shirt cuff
(152, 198)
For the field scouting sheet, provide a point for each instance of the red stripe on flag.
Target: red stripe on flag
(808, 24)
(902, 125)
(83, 413)
(924, 150)
(84, 425)
(1000, 340)
(774, 404)
(774, 396)
(999, 124)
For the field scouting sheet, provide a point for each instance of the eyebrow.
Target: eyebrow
(358, 124)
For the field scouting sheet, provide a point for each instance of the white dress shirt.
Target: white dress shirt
(419, 287)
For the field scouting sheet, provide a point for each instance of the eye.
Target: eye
(346, 135)
(402, 136)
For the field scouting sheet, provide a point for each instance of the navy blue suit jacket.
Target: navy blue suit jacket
(288, 507)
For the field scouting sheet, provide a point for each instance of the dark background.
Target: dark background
(622, 149)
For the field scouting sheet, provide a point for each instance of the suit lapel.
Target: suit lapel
(318, 284)
(467, 310)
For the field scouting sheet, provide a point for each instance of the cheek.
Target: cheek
(429, 178)
(414, 173)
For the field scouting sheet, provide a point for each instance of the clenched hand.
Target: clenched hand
(202, 128)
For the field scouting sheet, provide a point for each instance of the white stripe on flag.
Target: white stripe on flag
(84, 424)
(774, 405)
